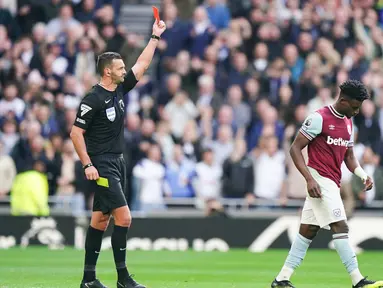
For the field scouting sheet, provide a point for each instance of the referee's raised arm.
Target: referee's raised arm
(146, 56)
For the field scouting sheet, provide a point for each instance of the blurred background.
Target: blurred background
(208, 128)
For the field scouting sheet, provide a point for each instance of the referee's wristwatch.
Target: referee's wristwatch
(87, 166)
(155, 37)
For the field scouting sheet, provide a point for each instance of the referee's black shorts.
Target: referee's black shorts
(111, 196)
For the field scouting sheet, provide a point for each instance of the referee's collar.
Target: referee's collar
(103, 87)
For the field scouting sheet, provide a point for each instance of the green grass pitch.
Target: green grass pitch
(42, 268)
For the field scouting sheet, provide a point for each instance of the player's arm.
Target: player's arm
(300, 142)
(145, 58)
(353, 165)
(311, 127)
(84, 117)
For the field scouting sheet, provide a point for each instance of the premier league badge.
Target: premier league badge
(111, 114)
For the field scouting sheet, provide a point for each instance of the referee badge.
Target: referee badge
(111, 114)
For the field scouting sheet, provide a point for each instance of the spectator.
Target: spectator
(11, 103)
(347, 190)
(223, 146)
(294, 63)
(296, 185)
(132, 154)
(369, 162)
(239, 73)
(322, 99)
(173, 40)
(164, 139)
(191, 143)
(207, 183)
(270, 171)
(225, 117)
(238, 174)
(70, 181)
(305, 44)
(269, 118)
(173, 85)
(9, 135)
(202, 33)
(148, 109)
(31, 185)
(86, 11)
(64, 21)
(252, 96)
(7, 171)
(260, 55)
(188, 75)
(67, 176)
(21, 152)
(48, 124)
(179, 171)
(85, 59)
(180, 110)
(150, 173)
(218, 13)
(286, 104)
(369, 132)
(241, 110)
(207, 96)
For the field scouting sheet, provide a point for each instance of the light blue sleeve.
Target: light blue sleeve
(352, 136)
(312, 126)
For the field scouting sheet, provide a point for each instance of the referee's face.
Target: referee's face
(118, 71)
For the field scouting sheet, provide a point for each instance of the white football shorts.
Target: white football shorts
(326, 210)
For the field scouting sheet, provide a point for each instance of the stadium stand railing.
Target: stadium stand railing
(188, 205)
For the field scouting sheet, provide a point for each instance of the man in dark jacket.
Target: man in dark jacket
(238, 173)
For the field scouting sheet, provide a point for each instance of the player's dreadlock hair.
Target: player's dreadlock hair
(354, 89)
(106, 59)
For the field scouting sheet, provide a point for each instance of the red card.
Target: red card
(156, 13)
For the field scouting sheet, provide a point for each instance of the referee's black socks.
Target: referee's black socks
(119, 236)
(92, 250)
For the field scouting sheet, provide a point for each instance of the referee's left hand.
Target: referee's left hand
(159, 28)
(91, 173)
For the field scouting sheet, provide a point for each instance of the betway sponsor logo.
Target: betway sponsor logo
(337, 141)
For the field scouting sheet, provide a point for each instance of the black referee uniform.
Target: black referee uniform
(101, 115)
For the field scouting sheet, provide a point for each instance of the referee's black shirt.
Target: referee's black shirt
(101, 115)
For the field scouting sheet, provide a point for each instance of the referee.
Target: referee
(98, 137)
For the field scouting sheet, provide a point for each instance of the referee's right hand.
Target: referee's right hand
(91, 173)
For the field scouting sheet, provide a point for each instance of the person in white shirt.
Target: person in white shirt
(207, 183)
(10, 102)
(151, 174)
(223, 146)
(270, 170)
(180, 110)
(7, 171)
(322, 99)
(64, 21)
(163, 138)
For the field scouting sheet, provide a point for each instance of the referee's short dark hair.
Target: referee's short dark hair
(354, 89)
(106, 59)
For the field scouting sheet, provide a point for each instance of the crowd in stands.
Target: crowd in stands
(230, 85)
